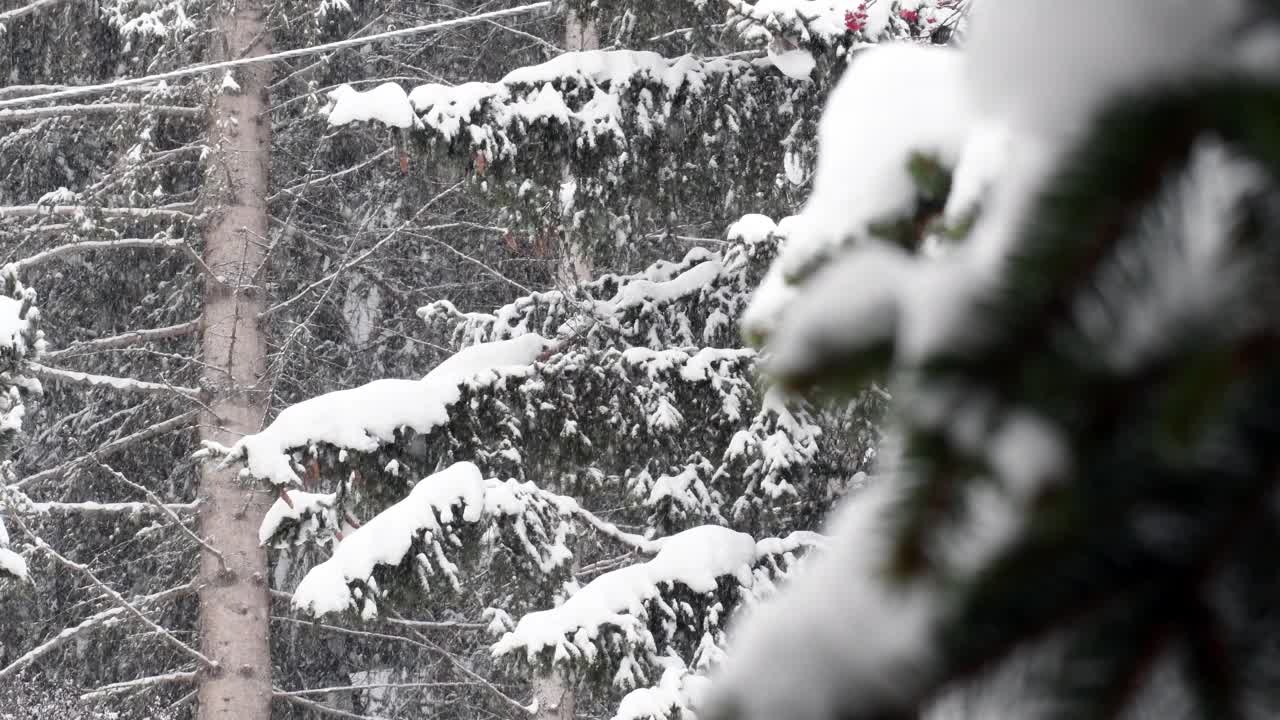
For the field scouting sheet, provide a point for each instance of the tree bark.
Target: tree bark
(575, 264)
(235, 606)
(554, 695)
(553, 691)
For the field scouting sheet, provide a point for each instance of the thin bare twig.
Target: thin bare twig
(182, 676)
(167, 636)
(320, 707)
(156, 501)
(93, 621)
(180, 422)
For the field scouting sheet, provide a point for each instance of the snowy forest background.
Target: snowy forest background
(571, 232)
(495, 359)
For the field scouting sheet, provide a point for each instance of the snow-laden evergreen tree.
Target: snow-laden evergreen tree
(21, 341)
(100, 208)
(627, 392)
(1063, 262)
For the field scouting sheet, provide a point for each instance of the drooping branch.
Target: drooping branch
(601, 526)
(158, 503)
(169, 638)
(39, 89)
(468, 672)
(133, 337)
(93, 621)
(374, 686)
(180, 422)
(364, 255)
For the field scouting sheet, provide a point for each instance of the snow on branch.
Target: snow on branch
(104, 618)
(674, 697)
(11, 563)
(23, 115)
(610, 119)
(621, 601)
(190, 70)
(580, 90)
(21, 340)
(127, 339)
(25, 10)
(700, 294)
(77, 248)
(363, 418)
(423, 528)
(180, 422)
(117, 383)
(16, 211)
(112, 508)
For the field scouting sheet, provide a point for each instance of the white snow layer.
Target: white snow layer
(12, 563)
(304, 504)
(527, 92)
(364, 417)
(387, 103)
(12, 327)
(893, 101)
(836, 634)
(675, 696)
(695, 558)
(1014, 87)
(386, 538)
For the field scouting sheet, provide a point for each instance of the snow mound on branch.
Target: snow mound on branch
(615, 67)
(304, 504)
(796, 64)
(675, 696)
(894, 101)
(696, 558)
(13, 329)
(386, 538)
(387, 103)
(1016, 87)
(530, 93)
(363, 418)
(12, 563)
(789, 661)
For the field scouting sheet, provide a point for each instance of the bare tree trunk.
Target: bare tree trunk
(554, 695)
(235, 607)
(553, 691)
(576, 266)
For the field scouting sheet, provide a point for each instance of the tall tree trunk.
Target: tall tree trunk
(575, 263)
(235, 606)
(554, 690)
